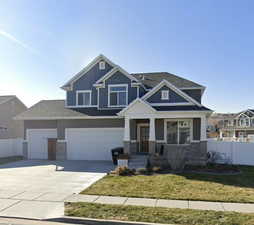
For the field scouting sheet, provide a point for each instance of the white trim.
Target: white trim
(83, 92)
(117, 85)
(174, 88)
(243, 113)
(112, 72)
(68, 118)
(170, 104)
(161, 141)
(165, 95)
(86, 69)
(202, 88)
(138, 92)
(178, 119)
(82, 106)
(61, 140)
(133, 103)
(102, 65)
(127, 133)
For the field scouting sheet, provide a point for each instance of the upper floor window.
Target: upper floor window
(102, 65)
(164, 95)
(83, 98)
(117, 95)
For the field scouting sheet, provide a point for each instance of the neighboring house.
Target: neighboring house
(10, 106)
(107, 107)
(239, 126)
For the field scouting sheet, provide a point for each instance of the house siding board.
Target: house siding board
(196, 128)
(181, 108)
(39, 124)
(117, 78)
(159, 129)
(98, 123)
(86, 82)
(142, 92)
(173, 97)
(195, 94)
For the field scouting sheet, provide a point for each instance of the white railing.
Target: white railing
(11, 147)
(238, 153)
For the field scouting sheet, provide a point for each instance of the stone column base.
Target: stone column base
(127, 147)
(152, 147)
(61, 150)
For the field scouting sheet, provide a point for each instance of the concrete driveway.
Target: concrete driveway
(34, 189)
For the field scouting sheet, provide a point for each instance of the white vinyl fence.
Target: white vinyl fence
(11, 147)
(238, 153)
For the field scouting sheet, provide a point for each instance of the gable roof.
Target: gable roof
(55, 109)
(137, 101)
(112, 72)
(6, 98)
(150, 80)
(174, 88)
(86, 69)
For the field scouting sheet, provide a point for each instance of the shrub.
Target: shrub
(124, 171)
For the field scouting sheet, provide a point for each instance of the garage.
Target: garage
(92, 143)
(38, 140)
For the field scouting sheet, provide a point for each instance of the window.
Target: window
(165, 95)
(118, 95)
(83, 98)
(102, 65)
(178, 132)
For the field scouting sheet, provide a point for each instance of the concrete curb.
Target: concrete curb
(91, 221)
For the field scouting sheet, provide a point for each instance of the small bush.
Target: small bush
(124, 171)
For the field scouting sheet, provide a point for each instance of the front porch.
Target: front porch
(160, 137)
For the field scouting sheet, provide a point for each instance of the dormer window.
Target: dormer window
(102, 65)
(117, 95)
(83, 98)
(165, 95)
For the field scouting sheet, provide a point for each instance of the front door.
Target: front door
(144, 139)
(52, 149)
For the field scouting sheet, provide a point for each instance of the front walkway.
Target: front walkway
(183, 204)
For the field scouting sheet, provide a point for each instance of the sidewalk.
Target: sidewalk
(183, 204)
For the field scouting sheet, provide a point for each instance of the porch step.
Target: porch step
(138, 161)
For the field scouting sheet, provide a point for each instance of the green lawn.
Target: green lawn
(157, 215)
(10, 159)
(227, 188)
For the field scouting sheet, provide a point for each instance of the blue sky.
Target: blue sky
(43, 43)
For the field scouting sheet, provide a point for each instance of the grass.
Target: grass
(204, 187)
(10, 159)
(157, 215)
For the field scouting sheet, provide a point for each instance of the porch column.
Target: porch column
(126, 139)
(203, 128)
(152, 143)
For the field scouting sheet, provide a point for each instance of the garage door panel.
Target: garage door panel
(38, 142)
(92, 143)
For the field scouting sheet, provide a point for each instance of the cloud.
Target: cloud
(20, 43)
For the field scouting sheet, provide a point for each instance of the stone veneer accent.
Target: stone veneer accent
(152, 147)
(61, 150)
(195, 154)
(25, 149)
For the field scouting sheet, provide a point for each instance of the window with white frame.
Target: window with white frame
(83, 98)
(102, 65)
(164, 95)
(118, 95)
(178, 132)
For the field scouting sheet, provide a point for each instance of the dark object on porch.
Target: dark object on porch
(115, 154)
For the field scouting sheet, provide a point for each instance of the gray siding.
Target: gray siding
(86, 83)
(117, 78)
(196, 129)
(195, 94)
(90, 123)
(159, 129)
(173, 97)
(39, 124)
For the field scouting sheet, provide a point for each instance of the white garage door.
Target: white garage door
(92, 143)
(38, 142)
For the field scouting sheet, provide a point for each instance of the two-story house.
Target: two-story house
(107, 107)
(239, 126)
